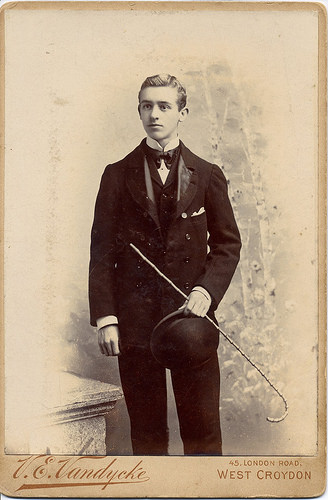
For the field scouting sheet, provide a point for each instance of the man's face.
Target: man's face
(159, 113)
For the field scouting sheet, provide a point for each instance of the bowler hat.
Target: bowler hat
(180, 341)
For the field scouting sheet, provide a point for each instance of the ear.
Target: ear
(139, 111)
(183, 114)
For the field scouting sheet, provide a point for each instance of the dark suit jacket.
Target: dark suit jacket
(120, 282)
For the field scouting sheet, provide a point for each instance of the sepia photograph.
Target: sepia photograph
(163, 180)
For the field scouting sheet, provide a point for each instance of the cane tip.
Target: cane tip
(277, 420)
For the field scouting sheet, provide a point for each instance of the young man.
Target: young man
(165, 200)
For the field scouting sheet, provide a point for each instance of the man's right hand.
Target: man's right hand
(108, 340)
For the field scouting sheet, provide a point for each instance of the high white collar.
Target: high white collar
(155, 145)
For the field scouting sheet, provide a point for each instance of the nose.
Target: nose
(154, 115)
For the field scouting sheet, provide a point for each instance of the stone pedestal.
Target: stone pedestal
(72, 421)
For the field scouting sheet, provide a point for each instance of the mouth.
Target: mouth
(155, 125)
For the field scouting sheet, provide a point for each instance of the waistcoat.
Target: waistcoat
(165, 194)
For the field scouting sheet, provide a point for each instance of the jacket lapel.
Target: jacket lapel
(136, 184)
(187, 180)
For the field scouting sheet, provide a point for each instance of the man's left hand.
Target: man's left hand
(196, 304)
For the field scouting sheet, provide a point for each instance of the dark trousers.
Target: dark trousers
(196, 392)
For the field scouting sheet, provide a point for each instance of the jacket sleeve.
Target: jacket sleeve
(103, 250)
(224, 238)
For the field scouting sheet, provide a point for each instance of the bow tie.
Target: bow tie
(167, 157)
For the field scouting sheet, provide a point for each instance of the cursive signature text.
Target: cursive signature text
(49, 471)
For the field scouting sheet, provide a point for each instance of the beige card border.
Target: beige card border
(176, 476)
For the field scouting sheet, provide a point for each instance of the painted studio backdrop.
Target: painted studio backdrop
(71, 84)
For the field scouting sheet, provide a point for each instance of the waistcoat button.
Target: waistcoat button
(188, 237)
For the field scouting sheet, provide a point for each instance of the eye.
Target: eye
(146, 106)
(164, 107)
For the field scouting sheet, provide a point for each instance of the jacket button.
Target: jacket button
(142, 237)
(184, 215)
(186, 260)
(187, 286)
(139, 285)
(145, 214)
(188, 237)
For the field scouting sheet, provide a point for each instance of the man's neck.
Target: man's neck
(172, 144)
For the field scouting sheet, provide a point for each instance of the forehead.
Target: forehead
(159, 94)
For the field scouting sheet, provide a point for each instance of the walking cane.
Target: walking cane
(225, 335)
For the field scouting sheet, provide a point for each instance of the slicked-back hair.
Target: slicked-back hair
(165, 80)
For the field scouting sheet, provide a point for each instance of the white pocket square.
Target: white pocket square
(200, 211)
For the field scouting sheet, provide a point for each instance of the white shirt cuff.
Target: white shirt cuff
(106, 321)
(203, 291)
